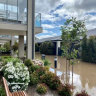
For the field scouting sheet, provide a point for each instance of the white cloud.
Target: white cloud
(70, 8)
(47, 26)
(45, 31)
(46, 36)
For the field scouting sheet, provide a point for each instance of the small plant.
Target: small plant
(2, 91)
(41, 89)
(64, 90)
(51, 80)
(28, 63)
(33, 68)
(55, 83)
(41, 71)
(82, 93)
(34, 78)
(46, 63)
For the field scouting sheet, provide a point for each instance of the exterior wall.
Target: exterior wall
(16, 29)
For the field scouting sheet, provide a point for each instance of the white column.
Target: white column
(21, 46)
(30, 31)
(57, 46)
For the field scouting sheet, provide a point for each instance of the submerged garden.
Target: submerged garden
(20, 75)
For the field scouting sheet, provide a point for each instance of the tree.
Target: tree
(72, 32)
(47, 48)
(84, 54)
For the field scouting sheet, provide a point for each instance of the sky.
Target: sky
(55, 12)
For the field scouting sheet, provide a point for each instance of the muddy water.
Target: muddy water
(84, 76)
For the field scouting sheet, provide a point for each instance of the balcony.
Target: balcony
(13, 18)
(15, 11)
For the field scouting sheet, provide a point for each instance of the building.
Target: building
(18, 18)
(57, 40)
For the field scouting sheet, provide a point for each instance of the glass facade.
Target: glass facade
(16, 11)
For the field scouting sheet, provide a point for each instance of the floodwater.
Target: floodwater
(84, 77)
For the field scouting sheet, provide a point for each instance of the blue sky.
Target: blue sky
(55, 12)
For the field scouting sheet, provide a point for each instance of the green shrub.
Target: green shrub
(7, 46)
(55, 83)
(47, 48)
(2, 91)
(46, 62)
(41, 89)
(83, 93)
(28, 63)
(36, 47)
(64, 90)
(33, 68)
(34, 78)
(41, 71)
(51, 80)
(89, 50)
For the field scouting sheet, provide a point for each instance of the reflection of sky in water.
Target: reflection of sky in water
(77, 83)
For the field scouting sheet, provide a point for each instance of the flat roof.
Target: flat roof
(91, 32)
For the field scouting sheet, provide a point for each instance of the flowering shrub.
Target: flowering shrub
(34, 78)
(17, 76)
(51, 80)
(65, 90)
(41, 88)
(83, 93)
(38, 62)
(41, 71)
(31, 66)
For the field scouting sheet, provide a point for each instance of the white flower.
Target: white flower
(17, 73)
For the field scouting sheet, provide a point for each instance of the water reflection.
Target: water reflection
(84, 74)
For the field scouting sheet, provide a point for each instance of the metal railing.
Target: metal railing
(13, 17)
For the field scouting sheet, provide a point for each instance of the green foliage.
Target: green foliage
(83, 93)
(41, 89)
(84, 54)
(31, 66)
(51, 80)
(15, 46)
(47, 48)
(2, 49)
(28, 63)
(36, 47)
(46, 62)
(72, 31)
(7, 46)
(10, 59)
(34, 78)
(65, 90)
(41, 71)
(2, 91)
(89, 50)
